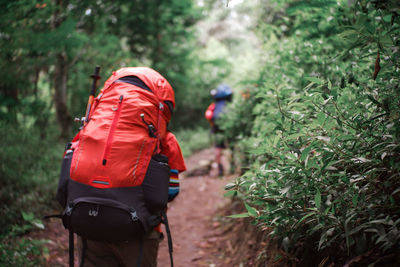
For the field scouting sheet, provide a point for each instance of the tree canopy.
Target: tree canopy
(314, 123)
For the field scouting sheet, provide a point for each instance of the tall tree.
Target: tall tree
(50, 38)
(162, 34)
(39, 36)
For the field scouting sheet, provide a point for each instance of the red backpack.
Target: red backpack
(114, 181)
(126, 125)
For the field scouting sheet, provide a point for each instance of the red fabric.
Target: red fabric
(154, 80)
(114, 147)
(210, 111)
(171, 148)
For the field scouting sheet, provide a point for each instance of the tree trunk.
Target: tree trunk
(61, 78)
(60, 97)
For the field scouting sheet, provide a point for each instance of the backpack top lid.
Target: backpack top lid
(154, 80)
(223, 91)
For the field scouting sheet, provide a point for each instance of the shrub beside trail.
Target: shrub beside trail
(321, 132)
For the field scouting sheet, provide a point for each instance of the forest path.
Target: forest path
(191, 218)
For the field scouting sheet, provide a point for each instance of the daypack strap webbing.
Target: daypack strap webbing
(71, 248)
(170, 248)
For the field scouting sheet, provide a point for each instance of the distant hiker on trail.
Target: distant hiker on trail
(121, 170)
(221, 96)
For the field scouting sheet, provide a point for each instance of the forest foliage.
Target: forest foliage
(314, 121)
(320, 129)
(48, 50)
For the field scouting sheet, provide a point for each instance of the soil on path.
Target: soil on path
(192, 218)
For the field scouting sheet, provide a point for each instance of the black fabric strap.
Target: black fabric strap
(170, 106)
(170, 248)
(84, 246)
(71, 248)
(140, 256)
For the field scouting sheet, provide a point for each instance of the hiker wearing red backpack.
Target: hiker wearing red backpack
(145, 250)
(221, 95)
(121, 170)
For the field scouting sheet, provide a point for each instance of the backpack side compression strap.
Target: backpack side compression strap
(84, 247)
(170, 248)
(140, 256)
(71, 248)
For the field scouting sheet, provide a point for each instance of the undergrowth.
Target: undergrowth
(29, 169)
(323, 142)
(192, 140)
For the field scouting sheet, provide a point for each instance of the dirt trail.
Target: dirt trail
(191, 218)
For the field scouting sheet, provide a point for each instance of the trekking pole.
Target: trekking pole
(95, 76)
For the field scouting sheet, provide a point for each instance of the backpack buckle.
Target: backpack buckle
(152, 129)
(68, 210)
(67, 146)
(134, 215)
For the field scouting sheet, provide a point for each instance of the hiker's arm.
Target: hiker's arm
(171, 149)
(173, 189)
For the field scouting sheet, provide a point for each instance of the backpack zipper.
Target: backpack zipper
(112, 130)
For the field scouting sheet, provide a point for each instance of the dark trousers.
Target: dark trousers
(121, 254)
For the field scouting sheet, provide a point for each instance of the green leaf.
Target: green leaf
(241, 215)
(315, 80)
(309, 86)
(230, 193)
(27, 216)
(251, 211)
(355, 200)
(339, 122)
(321, 118)
(230, 186)
(294, 136)
(317, 199)
(395, 191)
(304, 217)
(349, 34)
(305, 153)
(316, 228)
(387, 18)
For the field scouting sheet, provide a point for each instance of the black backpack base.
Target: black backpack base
(94, 219)
(114, 214)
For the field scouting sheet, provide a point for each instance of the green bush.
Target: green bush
(23, 252)
(324, 142)
(192, 140)
(28, 173)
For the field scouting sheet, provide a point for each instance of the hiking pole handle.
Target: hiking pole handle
(95, 76)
